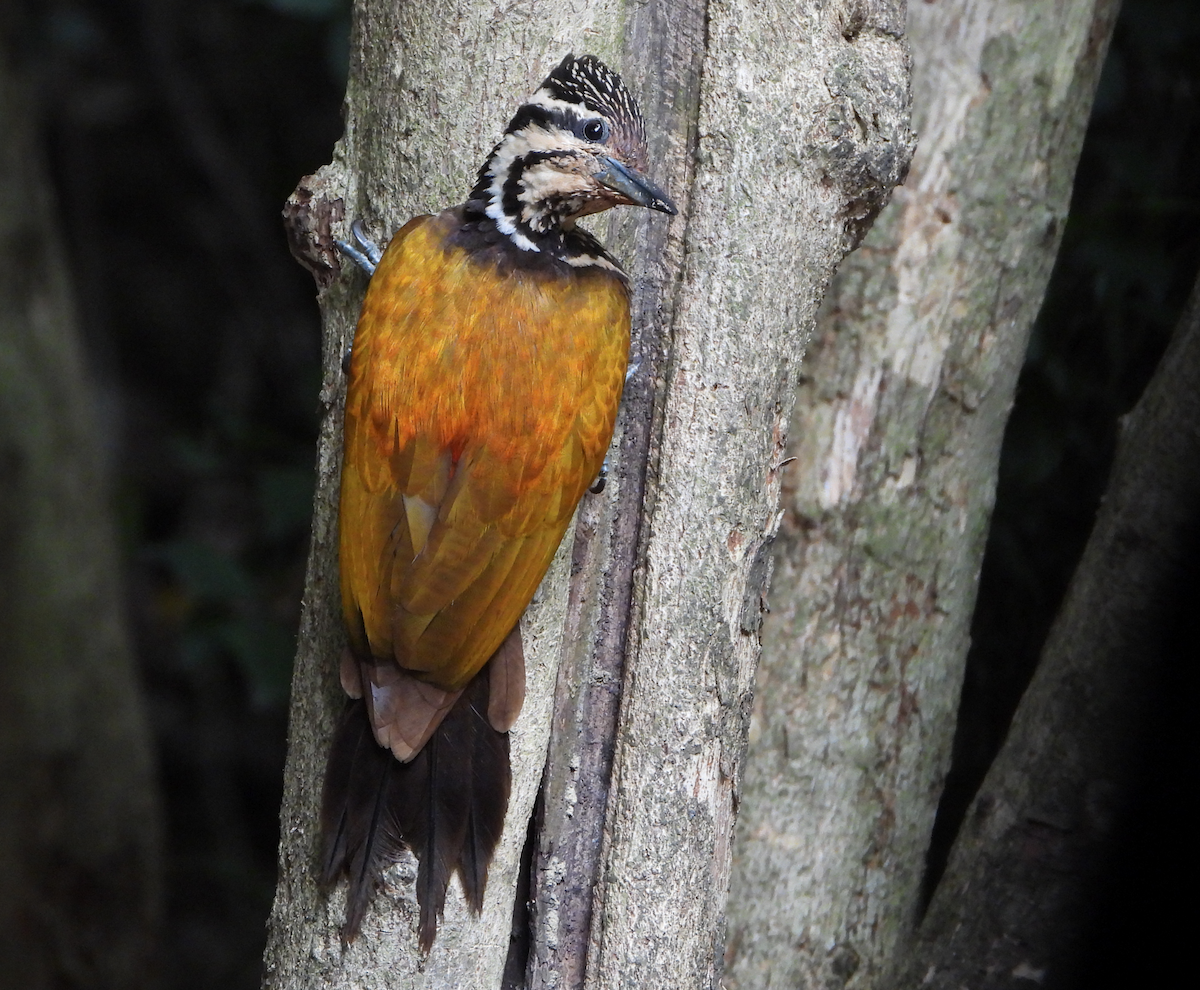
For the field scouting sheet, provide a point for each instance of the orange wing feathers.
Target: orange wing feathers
(479, 409)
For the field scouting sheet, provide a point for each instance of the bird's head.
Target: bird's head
(577, 147)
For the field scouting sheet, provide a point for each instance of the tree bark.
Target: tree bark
(796, 116)
(897, 436)
(1014, 899)
(803, 130)
(80, 864)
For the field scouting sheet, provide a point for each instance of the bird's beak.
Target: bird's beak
(633, 186)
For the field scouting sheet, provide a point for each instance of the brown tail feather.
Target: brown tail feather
(447, 805)
(489, 801)
(506, 682)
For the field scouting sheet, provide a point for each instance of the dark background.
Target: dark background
(175, 129)
(1129, 259)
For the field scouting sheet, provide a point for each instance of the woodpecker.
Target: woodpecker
(482, 391)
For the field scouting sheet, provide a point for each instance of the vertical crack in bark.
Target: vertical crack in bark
(567, 884)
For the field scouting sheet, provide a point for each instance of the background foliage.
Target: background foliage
(176, 128)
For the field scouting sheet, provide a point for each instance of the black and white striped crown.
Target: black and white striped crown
(588, 81)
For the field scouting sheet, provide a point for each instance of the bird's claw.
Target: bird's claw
(601, 479)
(365, 253)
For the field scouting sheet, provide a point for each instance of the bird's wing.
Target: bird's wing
(480, 405)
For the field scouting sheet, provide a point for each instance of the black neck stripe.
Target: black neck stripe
(510, 200)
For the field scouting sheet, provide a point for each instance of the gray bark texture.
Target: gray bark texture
(780, 129)
(896, 440)
(1014, 900)
(80, 865)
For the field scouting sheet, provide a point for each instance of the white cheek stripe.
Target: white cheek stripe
(508, 151)
(512, 147)
(518, 144)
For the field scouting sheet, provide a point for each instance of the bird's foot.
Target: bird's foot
(602, 478)
(365, 252)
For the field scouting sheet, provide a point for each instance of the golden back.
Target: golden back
(480, 405)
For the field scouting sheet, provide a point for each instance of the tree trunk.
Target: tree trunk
(80, 869)
(897, 438)
(1035, 837)
(780, 128)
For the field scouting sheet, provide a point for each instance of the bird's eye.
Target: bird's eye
(594, 130)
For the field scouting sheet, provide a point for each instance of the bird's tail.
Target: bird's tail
(447, 805)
